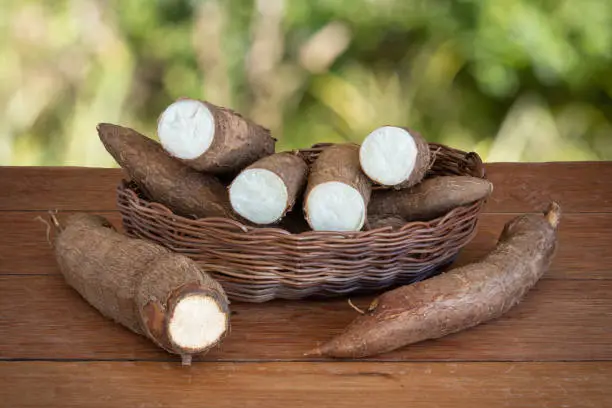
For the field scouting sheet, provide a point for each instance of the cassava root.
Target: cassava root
(267, 189)
(163, 178)
(430, 198)
(212, 138)
(456, 300)
(156, 293)
(337, 193)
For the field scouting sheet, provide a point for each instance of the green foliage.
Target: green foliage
(520, 80)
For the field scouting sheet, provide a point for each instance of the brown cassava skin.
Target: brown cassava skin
(431, 198)
(163, 178)
(291, 168)
(340, 163)
(383, 221)
(134, 282)
(422, 163)
(455, 300)
(237, 143)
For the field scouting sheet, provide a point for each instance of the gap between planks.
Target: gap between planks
(418, 385)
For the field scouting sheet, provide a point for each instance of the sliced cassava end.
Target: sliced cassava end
(335, 206)
(338, 192)
(211, 138)
(196, 323)
(394, 156)
(186, 129)
(197, 320)
(264, 192)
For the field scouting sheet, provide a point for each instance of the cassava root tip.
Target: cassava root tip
(186, 359)
(553, 214)
(315, 352)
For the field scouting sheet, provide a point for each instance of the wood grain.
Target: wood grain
(584, 244)
(519, 187)
(26, 245)
(58, 188)
(415, 385)
(576, 186)
(560, 320)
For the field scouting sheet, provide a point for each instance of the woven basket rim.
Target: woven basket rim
(140, 203)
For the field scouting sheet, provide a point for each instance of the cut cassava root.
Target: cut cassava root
(430, 198)
(337, 193)
(164, 179)
(264, 191)
(455, 300)
(143, 286)
(211, 138)
(394, 156)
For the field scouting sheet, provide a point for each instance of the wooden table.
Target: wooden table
(552, 350)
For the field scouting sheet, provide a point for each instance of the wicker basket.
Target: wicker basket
(261, 264)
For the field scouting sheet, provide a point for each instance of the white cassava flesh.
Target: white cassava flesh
(259, 195)
(335, 206)
(186, 129)
(197, 322)
(388, 155)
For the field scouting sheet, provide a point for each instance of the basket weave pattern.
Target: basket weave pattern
(261, 264)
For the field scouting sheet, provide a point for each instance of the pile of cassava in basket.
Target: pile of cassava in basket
(327, 220)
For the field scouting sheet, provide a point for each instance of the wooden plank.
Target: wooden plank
(560, 320)
(25, 248)
(576, 186)
(519, 187)
(417, 385)
(583, 249)
(58, 188)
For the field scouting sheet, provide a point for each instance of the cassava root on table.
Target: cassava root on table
(456, 300)
(152, 291)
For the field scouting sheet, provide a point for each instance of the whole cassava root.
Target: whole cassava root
(267, 189)
(163, 178)
(211, 138)
(161, 295)
(395, 156)
(337, 193)
(456, 300)
(430, 198)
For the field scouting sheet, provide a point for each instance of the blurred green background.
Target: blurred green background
(515, 80)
